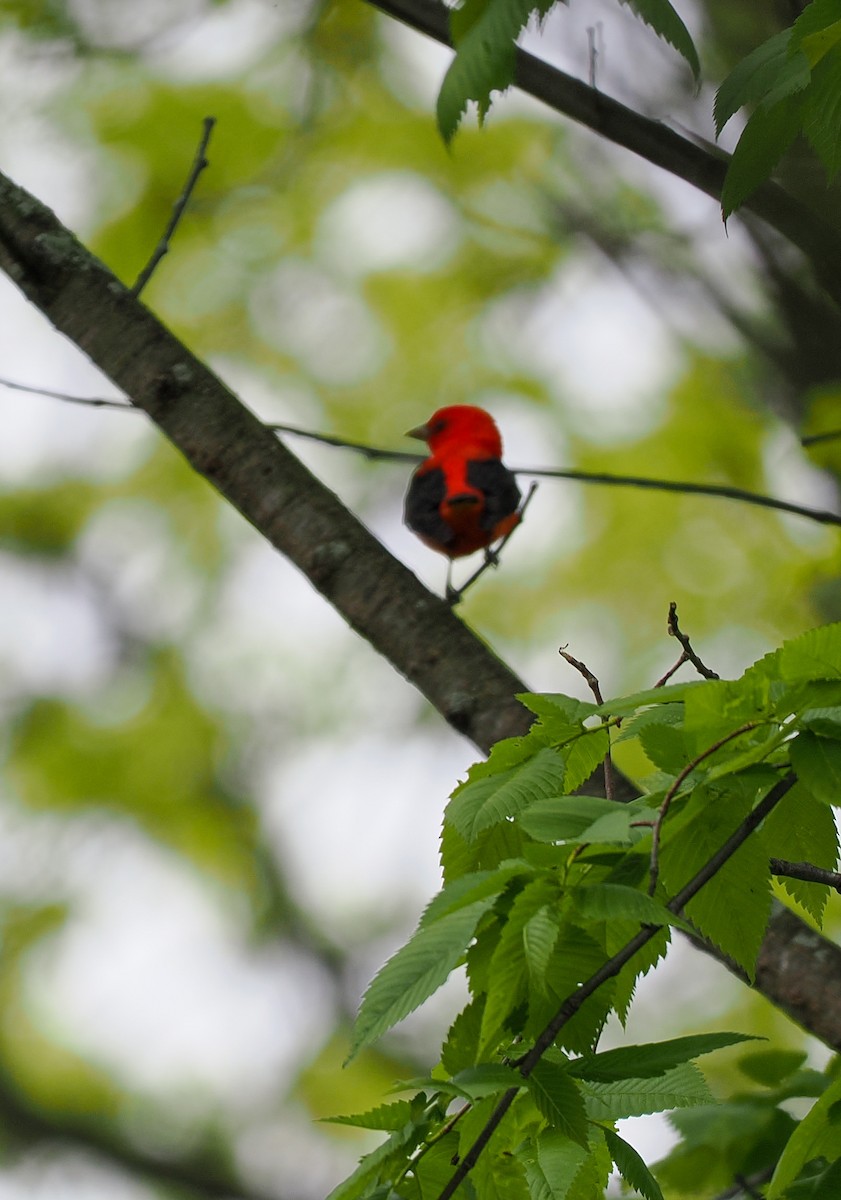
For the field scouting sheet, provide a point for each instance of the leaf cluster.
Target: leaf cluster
(485, 32)
(546, 892)
(792, 82)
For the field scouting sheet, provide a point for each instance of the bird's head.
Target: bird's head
(460, 425)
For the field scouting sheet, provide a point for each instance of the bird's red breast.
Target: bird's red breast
(462, 498)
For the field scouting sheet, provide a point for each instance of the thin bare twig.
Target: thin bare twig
(162, 248)
(89, 401)
(454, 595)
(593, 684)
(689, 654)
(612, 967)
(684, 487)
(806, 871)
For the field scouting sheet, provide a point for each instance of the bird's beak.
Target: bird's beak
(421, 433)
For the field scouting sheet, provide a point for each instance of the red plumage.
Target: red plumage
(462, 498)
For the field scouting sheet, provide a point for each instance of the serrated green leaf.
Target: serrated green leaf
(565, 818)
(817, 763)
(814, 655)
(804, 830)
(626, 706)
(652, 1059)
(817, 1136)
(767, 74)
(478, 885)
(396, 1148)
(615, 902)
(824, 720)
(660, 16)
(487, 1079)
(461, 1045)
(583, 756)
(540, 935)
(558, 1098)
(508, 975)
(483, 802)
(821, 113)
(765, 138)
(416, 971)
(631, 1167)
(816, 27)
(732, 909)
(433, 1169)
(387, 1117)
(557, 711)
(552, 1163)
(679, 1088)
(485, 38)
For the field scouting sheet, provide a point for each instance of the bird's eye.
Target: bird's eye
(438, 426)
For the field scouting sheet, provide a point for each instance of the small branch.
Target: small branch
(686, 488)
(89, 401)
(454, 595)
(372, 452)
(612, 967)
(806, 871)
(689, 654)
(813, 439)
(654, 869)
(593, 684)
(746, 1186)
(162, 248)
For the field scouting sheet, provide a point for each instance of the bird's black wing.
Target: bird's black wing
(421, 509)
(497, 483)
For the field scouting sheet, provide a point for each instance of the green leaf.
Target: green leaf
(478, 885)
(652, 1059)
(540, 936)
(631, 1167)
(767, 74)
(559, 1100)
(732, 909)
(583, 756)
(434, 1168)
(822, 110)
(487, 1079)
(508, 975)
(817, 30)
(678, 1088)
(770, 1067)
(813, 655)
(485, 801)
(662, 18)
(557, 712)
(484, 33)
(566, 818)
(552, 1163)
(394, 1149)
(765, 138)
(817, 1136)
(416, 971)
(615, 902)
(804, 830)
(817, 763)
(461, 1045)
(388, 1117)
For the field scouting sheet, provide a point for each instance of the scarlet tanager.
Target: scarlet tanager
(462, 498)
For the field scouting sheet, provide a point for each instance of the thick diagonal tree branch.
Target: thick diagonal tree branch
(654, 141)
(377, 596)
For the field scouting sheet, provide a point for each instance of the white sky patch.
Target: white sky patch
(360, 841)
(51, 633)
(388, 221)
(180, 1002)
(226, 40)
(594, 339)
(328, 327)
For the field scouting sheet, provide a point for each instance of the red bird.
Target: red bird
(462, 498)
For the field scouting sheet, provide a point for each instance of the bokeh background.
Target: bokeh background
(218, 808)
